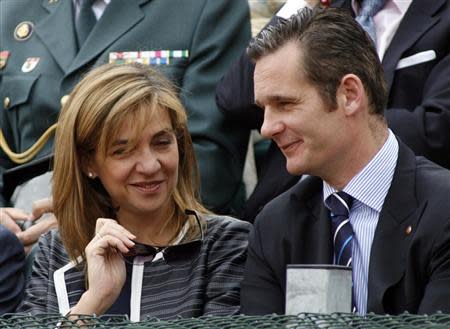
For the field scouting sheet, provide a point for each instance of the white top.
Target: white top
(98, 7)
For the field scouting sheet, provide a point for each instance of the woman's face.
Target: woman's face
(141, 179)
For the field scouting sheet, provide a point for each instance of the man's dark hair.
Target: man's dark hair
(332, 45)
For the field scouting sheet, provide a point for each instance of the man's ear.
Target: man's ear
(351, 94)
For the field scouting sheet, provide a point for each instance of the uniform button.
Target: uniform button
(64, 100)
(408, 230)
(6, 102)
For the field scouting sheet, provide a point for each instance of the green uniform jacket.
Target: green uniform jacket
(213, 31)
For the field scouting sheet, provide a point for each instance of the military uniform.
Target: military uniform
(190, 41)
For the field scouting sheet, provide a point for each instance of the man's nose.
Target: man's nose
(271, 125)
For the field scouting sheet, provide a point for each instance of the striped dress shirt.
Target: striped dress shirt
(369, 189)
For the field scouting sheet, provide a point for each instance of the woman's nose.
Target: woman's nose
(147, 162)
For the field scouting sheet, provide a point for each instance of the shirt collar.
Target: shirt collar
(401, 5)
(371, 185)
(78, 2)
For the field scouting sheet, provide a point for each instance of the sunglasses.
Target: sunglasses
(175, 254)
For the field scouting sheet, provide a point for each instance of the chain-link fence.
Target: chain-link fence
(305, 320)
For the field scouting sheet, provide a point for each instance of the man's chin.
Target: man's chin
(295, 169)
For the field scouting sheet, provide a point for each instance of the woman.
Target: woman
(133, 239)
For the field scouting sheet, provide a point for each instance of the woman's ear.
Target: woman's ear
(88, 168)
(351, 94)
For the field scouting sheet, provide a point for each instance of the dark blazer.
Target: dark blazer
(214, 32)
(12, 261)
(418, 109)
(409, 271)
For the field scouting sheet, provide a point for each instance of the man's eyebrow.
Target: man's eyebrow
(258, 104)
(277, 99)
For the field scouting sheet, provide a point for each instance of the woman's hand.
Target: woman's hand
(105, 267)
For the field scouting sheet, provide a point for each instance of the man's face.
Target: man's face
(310, 135)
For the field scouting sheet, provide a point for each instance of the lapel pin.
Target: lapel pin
(3, 58)
(23, 31)
(30, 64)
(408, 230)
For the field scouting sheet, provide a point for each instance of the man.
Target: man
(12, 261)
(46, 48)
(412, 41)
(320, 83)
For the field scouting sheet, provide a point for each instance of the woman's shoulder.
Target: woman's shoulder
(226, 225)
(51, 237)
(51, 246)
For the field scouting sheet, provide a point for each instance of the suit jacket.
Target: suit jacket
(408, 271)
(213, 31)
(418, 109)
(12, 261)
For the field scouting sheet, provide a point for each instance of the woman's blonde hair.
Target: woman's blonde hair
(100, 104)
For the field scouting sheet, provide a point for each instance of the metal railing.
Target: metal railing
(304, 320)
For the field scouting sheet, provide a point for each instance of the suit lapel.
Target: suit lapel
(119, 17)
(314, 222)
(400, 210)
(417, 20)
(56, 31)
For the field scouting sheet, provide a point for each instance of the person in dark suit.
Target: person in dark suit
(42, 57)
(321, 85)
(12, 261)
(416, 63)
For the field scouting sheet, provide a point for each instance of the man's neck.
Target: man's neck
(363, 150)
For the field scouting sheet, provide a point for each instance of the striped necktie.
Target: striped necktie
(368, 9)
(85, 21)
(340, 204)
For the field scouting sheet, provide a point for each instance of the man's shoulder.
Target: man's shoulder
(432, 179)
(21, 9)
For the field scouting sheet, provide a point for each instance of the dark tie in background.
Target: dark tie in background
(368, 9)
(85, 21)
(340, 204)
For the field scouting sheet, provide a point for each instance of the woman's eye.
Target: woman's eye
(165, 141)
(118, 151)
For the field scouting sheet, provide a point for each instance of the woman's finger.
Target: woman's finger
(109, 226)
(102, 244)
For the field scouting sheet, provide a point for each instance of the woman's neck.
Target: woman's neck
(157, 228)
